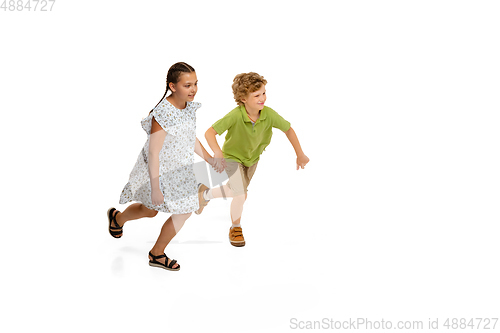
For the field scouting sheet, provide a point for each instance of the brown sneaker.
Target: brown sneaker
(236, 236)
(202, 202)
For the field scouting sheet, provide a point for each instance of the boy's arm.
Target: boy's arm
(302, 159)
(212, 142)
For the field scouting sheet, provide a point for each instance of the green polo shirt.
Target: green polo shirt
(246, 141)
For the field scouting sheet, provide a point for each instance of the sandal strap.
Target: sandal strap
(115, 231)
(110, 214)
(114, 219)
(158, 257)
(172, 263)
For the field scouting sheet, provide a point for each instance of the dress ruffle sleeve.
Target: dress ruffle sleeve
(167, 117)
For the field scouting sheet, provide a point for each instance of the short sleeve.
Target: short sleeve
(225, 123)
(168, 117)
(163, 116)
(164, 119)
(193, 106)
(278, 121)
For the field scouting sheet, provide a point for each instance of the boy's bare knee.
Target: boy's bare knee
(240, 197)
(227, 192)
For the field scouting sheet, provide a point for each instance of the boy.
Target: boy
(249, 128)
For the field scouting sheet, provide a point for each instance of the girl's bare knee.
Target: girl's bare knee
(149, 212)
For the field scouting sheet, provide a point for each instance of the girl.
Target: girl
(163, 179)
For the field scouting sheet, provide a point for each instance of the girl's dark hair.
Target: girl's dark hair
(173, 75)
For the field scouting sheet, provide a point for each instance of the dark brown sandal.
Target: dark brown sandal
(117, 231)
(155, 263)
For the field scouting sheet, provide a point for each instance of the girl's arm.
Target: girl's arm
(212, 142)
(156, 139)
(302, 159)
(201, 151)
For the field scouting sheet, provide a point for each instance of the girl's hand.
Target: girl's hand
(157, 197)
(211, 162)
(302, 160)
(219, 164)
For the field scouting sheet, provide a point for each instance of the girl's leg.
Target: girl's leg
(170, 228)
(133, 212)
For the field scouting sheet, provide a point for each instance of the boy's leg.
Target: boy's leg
(170, 228)
(237, 209)
(235, 188)
(238, 185)
(205, 194)
(221, 192)
(239, 179)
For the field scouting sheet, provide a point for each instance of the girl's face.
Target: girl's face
(255, 100)
(187, 87)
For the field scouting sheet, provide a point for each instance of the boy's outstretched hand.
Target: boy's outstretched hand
(302, 160)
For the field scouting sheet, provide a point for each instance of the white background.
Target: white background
(396, 217)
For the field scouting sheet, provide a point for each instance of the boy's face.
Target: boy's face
(255, 100)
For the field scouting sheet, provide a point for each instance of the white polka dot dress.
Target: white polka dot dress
(177, 179)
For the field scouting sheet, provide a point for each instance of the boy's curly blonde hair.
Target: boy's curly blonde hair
(246, 83)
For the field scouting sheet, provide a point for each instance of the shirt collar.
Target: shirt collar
(263, 114)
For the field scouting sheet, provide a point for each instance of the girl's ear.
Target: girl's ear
(171, 86)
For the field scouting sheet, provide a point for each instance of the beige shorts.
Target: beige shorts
(239, 176)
